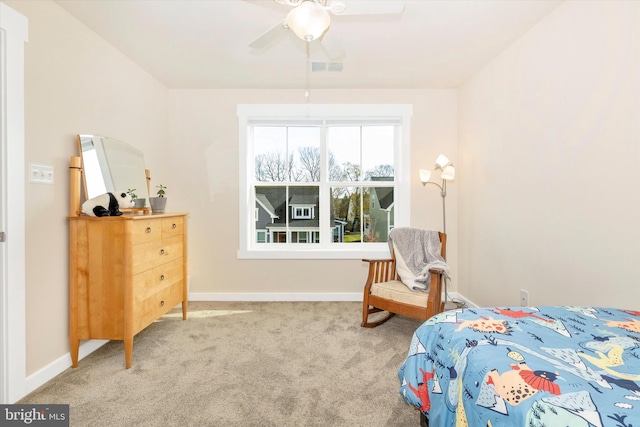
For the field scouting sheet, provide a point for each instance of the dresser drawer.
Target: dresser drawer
(155, 279)
(146, 230)
(155, 253)
(156, 305)
(172, 227)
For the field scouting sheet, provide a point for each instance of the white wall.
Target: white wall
(549, 169)
(204, 153)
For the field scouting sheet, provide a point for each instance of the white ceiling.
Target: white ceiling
(203, 44)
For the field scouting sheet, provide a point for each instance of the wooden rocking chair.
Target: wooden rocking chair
(384, 291)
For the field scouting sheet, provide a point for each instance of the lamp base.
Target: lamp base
(450, 305)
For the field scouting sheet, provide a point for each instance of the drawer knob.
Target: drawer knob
(162, 277)
(174, 226)
(162, 303)
(161, 251)
(148, 230)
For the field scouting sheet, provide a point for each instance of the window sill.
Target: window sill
(371, 251)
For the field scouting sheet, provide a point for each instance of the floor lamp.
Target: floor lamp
(447, 173)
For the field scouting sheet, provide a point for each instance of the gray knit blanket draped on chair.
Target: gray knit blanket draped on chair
(420, 251)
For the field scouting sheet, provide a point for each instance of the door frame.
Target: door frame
(14, 29)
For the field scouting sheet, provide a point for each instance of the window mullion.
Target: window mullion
(325, 196)
(287, 216)
(361, 178)
(287, 206)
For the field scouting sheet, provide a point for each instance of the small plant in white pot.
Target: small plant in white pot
(138, 203)
(158, 203)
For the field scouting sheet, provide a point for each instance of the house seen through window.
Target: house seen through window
(320, 183)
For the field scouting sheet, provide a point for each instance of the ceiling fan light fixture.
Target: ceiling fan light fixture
(308, 21)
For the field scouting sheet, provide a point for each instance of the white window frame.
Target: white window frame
(402, 191)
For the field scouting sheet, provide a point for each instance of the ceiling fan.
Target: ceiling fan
(310, 20)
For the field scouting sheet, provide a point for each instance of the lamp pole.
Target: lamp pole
(443, 193)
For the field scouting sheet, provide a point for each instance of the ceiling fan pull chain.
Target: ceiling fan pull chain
(308, 66)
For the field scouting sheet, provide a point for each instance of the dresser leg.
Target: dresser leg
(74, 346)
(128, 351)
(184, 310)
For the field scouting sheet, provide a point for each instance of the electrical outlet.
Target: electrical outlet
(524, 298)
(42, 174)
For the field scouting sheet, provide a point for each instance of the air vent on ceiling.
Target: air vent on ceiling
(326, 67)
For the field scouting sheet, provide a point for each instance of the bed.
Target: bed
(513, 366)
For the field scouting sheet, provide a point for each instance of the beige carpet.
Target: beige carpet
(245, 364)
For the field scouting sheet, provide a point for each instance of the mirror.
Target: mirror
(111, 165)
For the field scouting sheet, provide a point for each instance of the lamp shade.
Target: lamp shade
(448, 173)
(308, 20)
(424, 175)
(442, 161)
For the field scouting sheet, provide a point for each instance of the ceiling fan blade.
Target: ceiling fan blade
(332, 47)
(271, 35)
(368, 7)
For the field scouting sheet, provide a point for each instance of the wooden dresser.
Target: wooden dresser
(124, 273)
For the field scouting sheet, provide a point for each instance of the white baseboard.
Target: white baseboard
(456, 296)
(59, 365)
(275, 296)
(293, 296)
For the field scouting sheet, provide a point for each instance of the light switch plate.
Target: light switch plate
(42, 174)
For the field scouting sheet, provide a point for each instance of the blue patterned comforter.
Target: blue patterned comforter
(513, 366)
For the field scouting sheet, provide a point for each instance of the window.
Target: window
(302, 213)
(323, 181)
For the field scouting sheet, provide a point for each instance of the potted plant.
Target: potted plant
(158, 203)
(138, 203)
